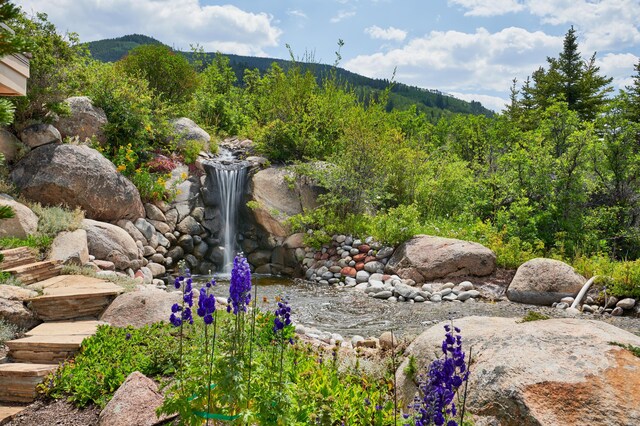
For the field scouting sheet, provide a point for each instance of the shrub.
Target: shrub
(55, 219)
(396, 225)
(191, 149)
(169, 73)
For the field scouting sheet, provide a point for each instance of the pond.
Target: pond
(349, 312)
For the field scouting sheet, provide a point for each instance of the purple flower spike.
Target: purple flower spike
(240, 287)
(283, 316)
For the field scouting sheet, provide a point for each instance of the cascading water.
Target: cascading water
(229, 175)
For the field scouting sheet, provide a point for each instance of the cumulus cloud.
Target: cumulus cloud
(603, 24)
(456, 61)
(342, 15)
(488, 7)
(179, 22)
(619, 66)
(390, 33)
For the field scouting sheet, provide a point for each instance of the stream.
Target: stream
(349, 312)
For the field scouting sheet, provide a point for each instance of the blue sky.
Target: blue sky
(469, 48)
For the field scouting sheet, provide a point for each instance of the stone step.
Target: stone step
(16, 257)
(72, 296)
(66, 328)
(8, 412)
(43, 349)
(18, 381)
(37, 271)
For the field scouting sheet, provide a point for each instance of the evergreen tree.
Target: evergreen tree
(633, 91)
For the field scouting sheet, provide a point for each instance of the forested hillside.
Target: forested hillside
(432, 102)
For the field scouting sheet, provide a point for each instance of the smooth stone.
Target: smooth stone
(464, 295)
(385, 294)
(466, 285)
(627, 303)
(419, 299)
(450, 297)
(568, 300)
(362, 276)
(617, 311)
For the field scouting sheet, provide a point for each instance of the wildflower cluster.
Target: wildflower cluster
(444, 378)
(206, 303)
(240, 286)
(187, 297)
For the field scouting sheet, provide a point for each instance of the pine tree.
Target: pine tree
(633, 93)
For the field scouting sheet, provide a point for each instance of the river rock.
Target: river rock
(132, 230)
(134, 403)
(70, 248)
(384, 252)
(406, 291)
(362, 276)
(373, 267)
(384, 294)
(145, 228)
(85, 121)
(627, 303)
(544, 281)
(24, 222)
(586, 381)
(59, 174)
(426, 258)
(40, 134)
(112, 243)
(189, 226)
(161, 227)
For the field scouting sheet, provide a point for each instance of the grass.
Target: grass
(633, 349)
(7, 331)
(533, 316)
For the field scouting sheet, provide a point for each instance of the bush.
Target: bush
(168, 73)
(53, 220)
(397, 225)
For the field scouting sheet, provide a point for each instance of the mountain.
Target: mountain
(432, 102)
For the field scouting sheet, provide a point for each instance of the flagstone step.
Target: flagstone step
(18, 381)
(8, 412)
(72, 296)
(43, 349)
(16, 257)
(37, 271)
(66, 328)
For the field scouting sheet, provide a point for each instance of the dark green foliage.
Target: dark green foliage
(114, 49)
(168, 73)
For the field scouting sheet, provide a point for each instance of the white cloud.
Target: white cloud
(177, 22)
(488, 7)
(455, 61)
(342, 15)
(603, 24)
(494, 103)
(618, 66)
(390, 33)
(296, 12)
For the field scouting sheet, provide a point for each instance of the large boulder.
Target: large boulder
(186, 129)
(85, 121)
(23, 223)
(134, 403)
(70, 247)
(40, 134)
(544, 281)
(277, 197)
(425, 258)
(77, 176)
(112, 243)
(142, 307)
(552, 372)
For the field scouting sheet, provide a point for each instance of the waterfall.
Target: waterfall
(227, 175)
(230, 187)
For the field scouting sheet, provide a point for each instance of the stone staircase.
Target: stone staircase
(70, 306)
(22, 264)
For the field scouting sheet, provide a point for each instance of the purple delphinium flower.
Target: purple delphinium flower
(444, 378)
(240, 286)
(283, 316)
(187, 299)
(206, 303)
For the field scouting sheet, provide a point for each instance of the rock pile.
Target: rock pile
(361, 264)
